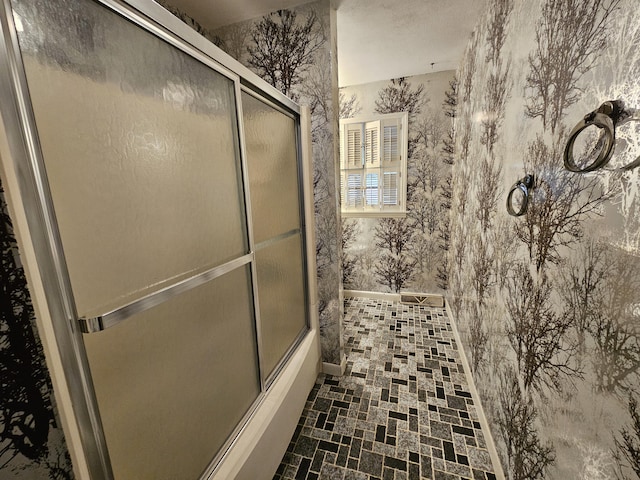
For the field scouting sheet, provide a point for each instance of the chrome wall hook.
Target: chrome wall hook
(524, 185)
(607, 117)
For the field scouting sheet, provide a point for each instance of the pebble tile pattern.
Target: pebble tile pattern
(401, 411)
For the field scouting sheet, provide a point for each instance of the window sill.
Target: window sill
(352, 214)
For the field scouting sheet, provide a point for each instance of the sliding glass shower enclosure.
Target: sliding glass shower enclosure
(162, 182)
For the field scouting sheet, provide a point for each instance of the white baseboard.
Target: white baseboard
(426, 299)
(392, 297)
(491, 446)
(334, 369)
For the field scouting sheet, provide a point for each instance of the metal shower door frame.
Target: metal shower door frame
(18, 130)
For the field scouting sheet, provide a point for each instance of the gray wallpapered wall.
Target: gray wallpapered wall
(425, 229)
(546, 303)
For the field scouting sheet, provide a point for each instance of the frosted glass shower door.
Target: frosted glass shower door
(270, 138)
(141, 148)
(173, 382)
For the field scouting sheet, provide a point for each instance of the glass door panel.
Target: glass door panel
(271, 141)
(141, 150)
(282, 298)
(173, 382)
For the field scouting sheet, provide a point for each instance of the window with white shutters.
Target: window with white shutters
(373, 166)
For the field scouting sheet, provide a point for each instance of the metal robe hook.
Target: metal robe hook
(524, 185)
(607, 117)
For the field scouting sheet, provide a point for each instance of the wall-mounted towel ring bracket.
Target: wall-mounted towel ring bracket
(524, 185)
(607, 117)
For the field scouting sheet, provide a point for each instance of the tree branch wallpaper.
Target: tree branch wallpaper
(547, 303)
(31, 441)
(410, 253)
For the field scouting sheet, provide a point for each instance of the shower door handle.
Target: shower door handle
(97, 323)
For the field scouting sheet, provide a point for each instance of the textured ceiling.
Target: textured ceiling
(218, 13)
(383, 39)
(377, 39)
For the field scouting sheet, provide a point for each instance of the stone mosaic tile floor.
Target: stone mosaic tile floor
(402, 410)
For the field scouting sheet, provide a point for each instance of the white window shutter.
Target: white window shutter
(390, 188)
(354, 190)
(390, 138)
(372, 189)
(372, 143)
(343, 141)
(354, 146)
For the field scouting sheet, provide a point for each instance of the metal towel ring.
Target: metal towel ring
(607, 117)
(525, 184)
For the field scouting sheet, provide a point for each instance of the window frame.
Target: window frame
(363, 179)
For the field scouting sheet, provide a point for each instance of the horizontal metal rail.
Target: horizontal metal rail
(109, 319)
(282, 236)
